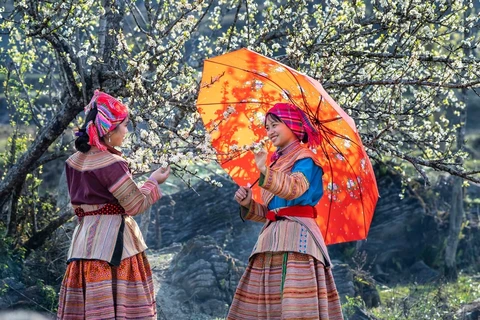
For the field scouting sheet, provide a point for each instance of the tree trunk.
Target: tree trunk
(457, 211)
(17, 174)
(455, 227)
(12, 210)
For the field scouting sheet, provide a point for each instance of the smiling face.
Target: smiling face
(115, 138)
(278, 132)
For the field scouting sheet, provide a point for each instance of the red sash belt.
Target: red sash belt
(293, 211)
(109, 208)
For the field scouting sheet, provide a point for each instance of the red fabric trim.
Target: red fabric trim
(293, 211)
(108, 209)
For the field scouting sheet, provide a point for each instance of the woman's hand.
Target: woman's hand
(243, 196)
(261, 159)
(161, 174)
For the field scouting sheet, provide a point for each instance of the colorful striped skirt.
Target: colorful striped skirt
(286, 285)
(92, 289)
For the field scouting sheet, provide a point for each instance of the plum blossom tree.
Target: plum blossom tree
(395, 66)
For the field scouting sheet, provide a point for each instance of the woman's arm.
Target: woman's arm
(290, 185)
(132, 198)
(255, 212)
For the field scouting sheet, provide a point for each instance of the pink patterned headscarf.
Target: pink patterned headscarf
(298, 122)
(111, 113)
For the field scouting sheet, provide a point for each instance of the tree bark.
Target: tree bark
(12, 210)
(16, 175)
(454, 230)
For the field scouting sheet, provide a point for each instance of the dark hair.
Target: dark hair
(274, 117)
(81, 143)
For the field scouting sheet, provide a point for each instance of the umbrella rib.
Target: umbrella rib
(331, 198)
(307, 107)
(267, 78)
(317, 113)
(271, 165)
(334, 146)
(329, 131)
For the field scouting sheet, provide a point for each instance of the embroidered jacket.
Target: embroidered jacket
(295, 179)
(95, 179)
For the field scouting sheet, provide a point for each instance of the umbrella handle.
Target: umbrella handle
(240, 212)
(254, 182)
(271, 165)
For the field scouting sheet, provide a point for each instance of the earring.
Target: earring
(109, 138)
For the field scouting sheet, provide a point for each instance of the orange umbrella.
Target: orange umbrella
(238, 88)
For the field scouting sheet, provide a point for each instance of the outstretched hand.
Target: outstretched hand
(161, 174)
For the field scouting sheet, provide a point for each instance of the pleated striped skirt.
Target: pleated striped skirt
(286, 285)
(92, 289)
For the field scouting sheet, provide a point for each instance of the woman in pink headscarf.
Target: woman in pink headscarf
(289, 272)
(108, 275)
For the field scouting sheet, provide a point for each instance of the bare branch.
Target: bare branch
(49, 157)
(455, 171)
(389, 82)
(387, 55)
(39, 238)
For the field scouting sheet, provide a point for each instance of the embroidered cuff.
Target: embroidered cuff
(256, 212)
(158, 186)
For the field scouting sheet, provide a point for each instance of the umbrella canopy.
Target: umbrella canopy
(237, 90)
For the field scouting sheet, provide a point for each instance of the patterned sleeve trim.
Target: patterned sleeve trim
(256, 212)
(133, 199)
(287, 186)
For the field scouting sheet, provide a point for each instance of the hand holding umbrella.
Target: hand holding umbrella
(243, 196)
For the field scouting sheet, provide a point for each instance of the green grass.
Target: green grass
(416, 302)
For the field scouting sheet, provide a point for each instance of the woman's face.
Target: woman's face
(115, 138)
(279, 133)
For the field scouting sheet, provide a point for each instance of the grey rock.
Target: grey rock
(205, 275)
(420, 273)
(22, 315)
(180, 295)
(214, 307)
(369, 293)
(469, 311)
(361, 314)
(401, 231)
(13, 293)
(204, 211)
(343, 280)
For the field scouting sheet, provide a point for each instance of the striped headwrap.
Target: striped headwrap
(111, 113)
(298, 122)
